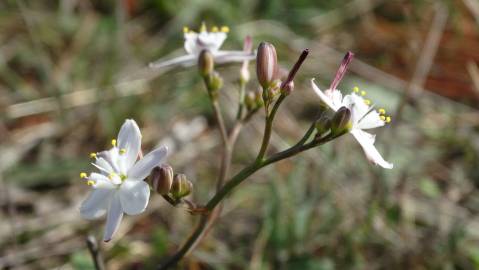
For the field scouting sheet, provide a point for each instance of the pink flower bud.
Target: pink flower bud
(266, 64)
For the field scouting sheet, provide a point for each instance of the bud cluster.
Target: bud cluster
(338, 124)
(163, 181)
(213, 80)
(254, 100)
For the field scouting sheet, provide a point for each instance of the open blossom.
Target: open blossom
(118, 186)
(204, 40)
(363, 115)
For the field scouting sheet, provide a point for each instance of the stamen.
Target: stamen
(122, 151)
(382, 111)
(367, 102)
(225, 29)
(92, 155)
(356, 89)
(111, 175)
(90, 183)
(388, 119)
(113, 142)
(203, 27)
(363, 93)
(186, 29)
(83, 175)
(215, 29)
(382, 117)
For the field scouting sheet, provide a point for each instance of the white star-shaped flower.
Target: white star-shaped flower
(363, 116)
(204, 40)
(118, 187)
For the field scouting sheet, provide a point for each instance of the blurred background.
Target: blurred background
(71, 71)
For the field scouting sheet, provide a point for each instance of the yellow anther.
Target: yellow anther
(111, 175)
(90, 183)
(363, 93)
(225, 29)
(383, 117)
(214, 29)
(92, 155)
(186, 29)
(367, 102)
(382, 111)
(113, 142)
(122, 151)
(356, 89)
(83, 175)
(203, 27)
(388, 119)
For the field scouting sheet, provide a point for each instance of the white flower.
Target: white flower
(118, 187)
(363, 116)
(204, 40)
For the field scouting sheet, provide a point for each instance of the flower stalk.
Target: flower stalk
(234, 182)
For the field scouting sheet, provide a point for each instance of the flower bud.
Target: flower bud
(323, 125)
(266, 64)
(181, 186)
(287, 88)
(161, 179)
(244, 72)
(213, 83)
(258, 97)
(216, 81)
(341, 122)
(206, 63)
(249, 101)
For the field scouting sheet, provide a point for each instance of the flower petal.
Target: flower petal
(144, 166)
(115, 214)
(101, 181)
(96, 204)
(134, 196)
(324, 98)
(195, 43)
(103, 165)
(370, 120)
(190, 42)
(111, 156)
(129, 139)
(222, 57)
(357, 105)
(366, 141)
(183, 61)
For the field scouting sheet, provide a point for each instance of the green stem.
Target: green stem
(230, 185)
(268, 128)
(242, 89)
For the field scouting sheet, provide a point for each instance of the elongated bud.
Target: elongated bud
(161, 179)
(244, 72)
(266, 64)
(323, 125)
(206, 63)
(287, 86)
(342, 70)
(181, 186)
(341, 122)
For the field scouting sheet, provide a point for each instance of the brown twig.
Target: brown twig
(426, 58)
